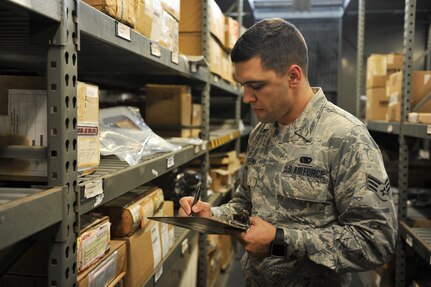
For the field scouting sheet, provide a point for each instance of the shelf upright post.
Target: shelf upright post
(202, 243)
(239, 7)
(62, 149)
(360, 57)
(403, 160)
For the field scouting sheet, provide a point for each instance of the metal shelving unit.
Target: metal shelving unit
(116, 177)
(83, 43)
(417, 238)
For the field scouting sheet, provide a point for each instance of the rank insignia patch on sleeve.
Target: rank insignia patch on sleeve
(381, 189)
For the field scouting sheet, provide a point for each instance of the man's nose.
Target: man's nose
(248, 96)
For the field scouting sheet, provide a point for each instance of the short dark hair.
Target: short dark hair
(278, 42)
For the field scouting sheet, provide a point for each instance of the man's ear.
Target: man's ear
(295, 75)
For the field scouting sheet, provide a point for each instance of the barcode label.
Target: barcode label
(122, 31)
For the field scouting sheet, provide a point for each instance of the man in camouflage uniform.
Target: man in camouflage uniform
(312, 171)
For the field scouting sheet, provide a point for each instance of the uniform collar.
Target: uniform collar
(306, 123)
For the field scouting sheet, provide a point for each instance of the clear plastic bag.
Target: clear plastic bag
(124, 133)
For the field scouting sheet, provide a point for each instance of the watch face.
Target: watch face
(278, 250)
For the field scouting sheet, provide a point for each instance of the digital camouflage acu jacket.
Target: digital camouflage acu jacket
(323, 181)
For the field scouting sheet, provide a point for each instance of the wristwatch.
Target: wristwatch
(278, 245)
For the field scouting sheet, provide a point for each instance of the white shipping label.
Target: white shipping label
(122, 31)
(94, 188)
(147, 210)
(135, 211)
(92, 91)
(88, 152)
(426, 78)
(94, 245)
(409, 240)
(104, 273)
(155, 242)
(158, 274)
(165, 239)
(28, 115)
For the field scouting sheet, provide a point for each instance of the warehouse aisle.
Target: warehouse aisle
(233, 275)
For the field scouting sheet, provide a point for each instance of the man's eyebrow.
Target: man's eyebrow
(251, 82)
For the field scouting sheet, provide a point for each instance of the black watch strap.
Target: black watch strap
(279, 235)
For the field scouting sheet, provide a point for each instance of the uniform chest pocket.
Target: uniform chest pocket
(304, 183)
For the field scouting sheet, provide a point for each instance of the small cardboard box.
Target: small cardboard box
(146, 249)
(191, 18)
(187, 132)
(231, 32)
(169, 35)
(377, 104)
(191, 44)
(149, 19)
(93, 240)
(128, 212)
(121, 10)
(110, 266)
(173, 7)
(377, 81)
(420, 118)
(168, 105)
(394, 111)
(196, 115)
(394, 62)
(88, 128)
(376, 65)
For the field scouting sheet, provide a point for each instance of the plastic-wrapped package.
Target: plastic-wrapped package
(124, 133)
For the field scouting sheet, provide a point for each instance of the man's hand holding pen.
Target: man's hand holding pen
(197, 207)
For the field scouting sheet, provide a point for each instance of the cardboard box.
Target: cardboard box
(223, 158)
(376, 105)
(149, 19)
(223, 179)
(377, 81)
(168, 106)
(420, 118)
(191, 44)
(93, 240)
(110, 266)
(129, 211)
(191, 18)
(169, 35)
(394, 62)
(376, 65)
(28, 125)
(146, 248)
(420, 87)
(173, 7)
(186, 132)
(121, 10)
(88, 128)
(394, 111)
(231, 32)
(196, 115)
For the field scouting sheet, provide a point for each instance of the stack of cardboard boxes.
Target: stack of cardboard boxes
(224, 33)
(169, 111)
(224, 168)
(379, 68)
(155, 19)
(384, 85)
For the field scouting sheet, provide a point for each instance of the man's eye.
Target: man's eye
(256, 86)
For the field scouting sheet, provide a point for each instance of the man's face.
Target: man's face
(266, 92)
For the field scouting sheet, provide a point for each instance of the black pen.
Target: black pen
(196, 199)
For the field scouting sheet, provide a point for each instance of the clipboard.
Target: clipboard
(203, 224)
